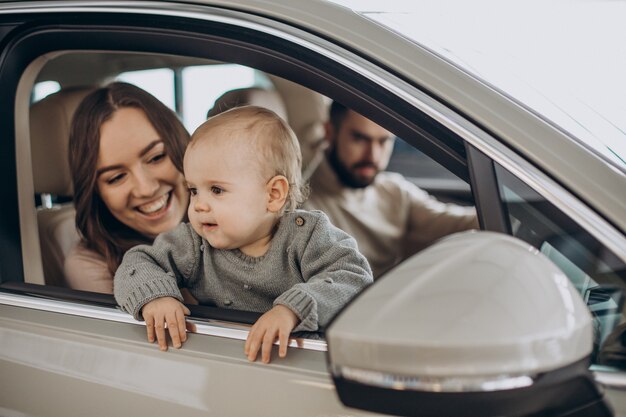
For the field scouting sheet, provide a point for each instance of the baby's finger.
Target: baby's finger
(246, 348)
(253, 346)
(159, 327)
(172, 327)
(150, 328)
(268, 343)
(283, 342)
(180, 324)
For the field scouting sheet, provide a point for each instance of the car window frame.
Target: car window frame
(32, 44)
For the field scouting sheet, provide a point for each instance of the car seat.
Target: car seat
(50, 121)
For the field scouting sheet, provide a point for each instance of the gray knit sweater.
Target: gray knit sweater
(311, 267)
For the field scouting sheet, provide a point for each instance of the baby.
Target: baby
(246, 246)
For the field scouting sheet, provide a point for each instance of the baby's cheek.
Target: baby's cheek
(195, 224)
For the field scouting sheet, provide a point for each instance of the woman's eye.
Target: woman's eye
(114, 179)
(217, 190)
(156, 158)
(193, 191)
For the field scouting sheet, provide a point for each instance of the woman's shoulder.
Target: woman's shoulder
(87, 270)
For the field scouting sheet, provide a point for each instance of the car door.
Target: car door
(75, 353)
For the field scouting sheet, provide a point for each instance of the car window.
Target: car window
(43, 89)
(598, 275)
(428, 174)
(190, 85)
(197, 96)
(159, 82)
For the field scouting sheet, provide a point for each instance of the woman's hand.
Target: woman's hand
(278, 322)
(166, 312)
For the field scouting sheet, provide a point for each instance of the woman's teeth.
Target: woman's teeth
(154, 206)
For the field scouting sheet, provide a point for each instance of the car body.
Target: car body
(64, 352)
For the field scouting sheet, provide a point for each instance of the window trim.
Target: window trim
(207, 327)
(486, 193)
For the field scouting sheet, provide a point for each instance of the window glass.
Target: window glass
(428, 174)
(43, 89)
(158, 82)
(598, 275)
(203, 84)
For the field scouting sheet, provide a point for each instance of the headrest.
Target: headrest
(254, 96)
(50, 121)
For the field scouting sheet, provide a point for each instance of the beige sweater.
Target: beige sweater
(391, 219)
(87, 270)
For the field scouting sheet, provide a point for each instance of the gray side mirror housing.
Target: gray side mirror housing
(478, 324)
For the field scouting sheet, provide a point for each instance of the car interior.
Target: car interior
(66, 78)
(50, 119)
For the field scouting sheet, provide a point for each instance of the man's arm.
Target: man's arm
(430, 219)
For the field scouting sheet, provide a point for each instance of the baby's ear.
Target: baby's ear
(277, 190)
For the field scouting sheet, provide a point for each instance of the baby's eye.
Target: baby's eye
(114, 179)
(192, 191)
(217, 190)
(156, 158)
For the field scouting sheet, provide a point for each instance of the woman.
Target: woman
(125, 151)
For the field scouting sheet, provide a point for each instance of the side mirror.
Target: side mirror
(479, 324)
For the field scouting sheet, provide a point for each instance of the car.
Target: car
(547, 178)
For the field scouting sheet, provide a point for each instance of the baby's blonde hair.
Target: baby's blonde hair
(272, 142)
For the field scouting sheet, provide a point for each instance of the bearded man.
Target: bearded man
(389, 216)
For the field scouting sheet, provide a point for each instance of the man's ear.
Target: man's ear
(277, 190)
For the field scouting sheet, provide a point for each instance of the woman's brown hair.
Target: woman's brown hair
(99, 230)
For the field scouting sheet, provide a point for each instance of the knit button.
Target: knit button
(227, 302)
(132, 272)
(202, 248)
(328, 280)
(246, 287)
(299, 221)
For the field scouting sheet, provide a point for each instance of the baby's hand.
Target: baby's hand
(166, 310)
(279, 321)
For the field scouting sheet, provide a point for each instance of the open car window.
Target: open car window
(190, 88)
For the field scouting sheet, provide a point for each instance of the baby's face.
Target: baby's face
(229, 195)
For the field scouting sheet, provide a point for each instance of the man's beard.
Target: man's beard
(346, 176)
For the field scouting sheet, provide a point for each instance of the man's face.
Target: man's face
(359, 150)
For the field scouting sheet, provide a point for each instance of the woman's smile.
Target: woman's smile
(155, 207)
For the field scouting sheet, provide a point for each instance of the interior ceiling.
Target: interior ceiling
(93, 67)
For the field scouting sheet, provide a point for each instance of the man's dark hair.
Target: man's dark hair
(337, 113)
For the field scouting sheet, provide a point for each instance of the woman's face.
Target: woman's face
(136, 179)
